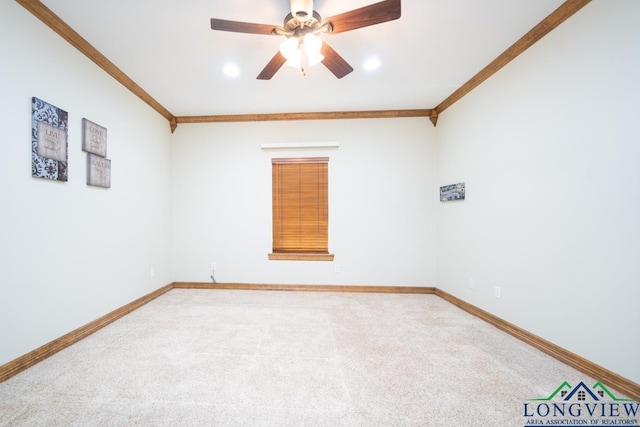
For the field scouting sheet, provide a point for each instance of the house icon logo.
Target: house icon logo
(581, 405)
(566, 392)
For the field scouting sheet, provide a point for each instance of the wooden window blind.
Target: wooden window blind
(300, 208)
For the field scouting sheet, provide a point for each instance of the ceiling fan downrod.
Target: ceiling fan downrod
(301, 9)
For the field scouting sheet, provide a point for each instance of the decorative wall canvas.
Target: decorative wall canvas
(452, 192)
(94, 138)
(49, 143)
(98, 171)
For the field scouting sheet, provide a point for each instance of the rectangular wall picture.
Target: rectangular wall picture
(49, 143)
(98, 171)
(452, 192)
(94, 138)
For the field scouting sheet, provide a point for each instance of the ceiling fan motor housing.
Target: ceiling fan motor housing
(291, 23)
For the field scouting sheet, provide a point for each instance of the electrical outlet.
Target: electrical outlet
(497, 292)
(214, 266)
(152, 273)
(472, 283)
(336, 268)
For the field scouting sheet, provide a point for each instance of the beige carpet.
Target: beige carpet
(265, 358)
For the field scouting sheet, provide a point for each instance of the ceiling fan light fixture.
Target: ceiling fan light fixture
(289, 47)
(303, 53)
(312, 46)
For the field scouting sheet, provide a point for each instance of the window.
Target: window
(300, 209)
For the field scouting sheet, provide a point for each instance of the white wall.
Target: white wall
(70, 253)
(382, 196)
(549, 150)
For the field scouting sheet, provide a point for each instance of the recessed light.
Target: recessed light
(231, 70)
(371, 64)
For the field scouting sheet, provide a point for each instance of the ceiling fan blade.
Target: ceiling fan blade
(334, 62)
(272, 67)
(241, 27)
(376, 13)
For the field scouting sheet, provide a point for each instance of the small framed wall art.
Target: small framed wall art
(94, 138)
(49, 142)
(452, 192)
(98, 171)
(94, 143)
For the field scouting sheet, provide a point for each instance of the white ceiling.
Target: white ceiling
(169, 49)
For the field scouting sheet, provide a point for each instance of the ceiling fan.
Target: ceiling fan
(302, 26)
